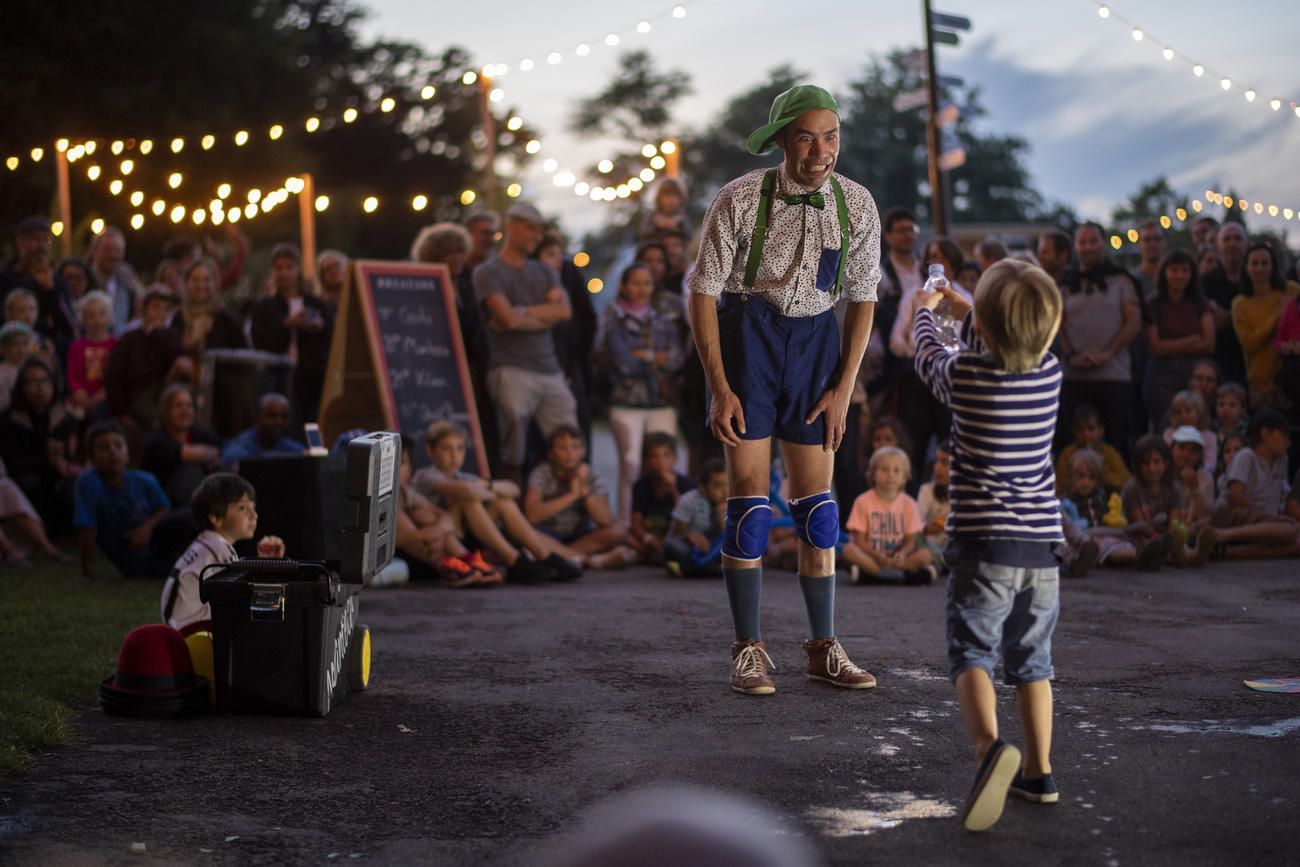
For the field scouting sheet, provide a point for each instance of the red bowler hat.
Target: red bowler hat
(155, 676)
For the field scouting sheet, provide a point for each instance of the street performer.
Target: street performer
(780, 247)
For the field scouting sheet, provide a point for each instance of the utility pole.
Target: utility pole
(938, 209)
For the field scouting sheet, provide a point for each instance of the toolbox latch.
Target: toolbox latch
(267, 602)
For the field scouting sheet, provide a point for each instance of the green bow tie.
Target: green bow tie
(813, 200)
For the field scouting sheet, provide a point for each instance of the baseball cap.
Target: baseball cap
(527, 213)
(1188, 434)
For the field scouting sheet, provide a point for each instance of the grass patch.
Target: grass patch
(58, 640)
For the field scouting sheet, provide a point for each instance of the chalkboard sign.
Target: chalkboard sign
(398, 357)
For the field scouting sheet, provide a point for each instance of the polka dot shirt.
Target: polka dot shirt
(796, 236)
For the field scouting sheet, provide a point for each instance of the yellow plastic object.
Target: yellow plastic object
(1115, 516)
(359, 658)
(200, 645)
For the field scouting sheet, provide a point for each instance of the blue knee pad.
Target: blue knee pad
(817, 519)
(745, 534)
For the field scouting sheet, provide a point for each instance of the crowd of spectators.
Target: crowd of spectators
(1200, 343)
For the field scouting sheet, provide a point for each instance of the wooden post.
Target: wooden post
(490, 193)
(307, 225)
(65, 203)
(937, 207)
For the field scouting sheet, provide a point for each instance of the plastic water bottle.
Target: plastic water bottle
(945, 324)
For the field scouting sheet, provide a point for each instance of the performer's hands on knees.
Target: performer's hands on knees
(724, 409)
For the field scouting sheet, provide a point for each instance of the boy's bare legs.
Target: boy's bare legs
(1035, 701)
(518, 528)
(476, 519)
(979, 709)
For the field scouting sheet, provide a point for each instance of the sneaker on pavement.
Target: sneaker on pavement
(989, 794)
(1084, 559)
(827, 661)
(1040, 790)
(525, 571)
(924, 575)
(456, 573)
(749, 663)
(561, 568)
(1152, 553)
(1206, 540)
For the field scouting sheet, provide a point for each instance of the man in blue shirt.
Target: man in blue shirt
(267, 437)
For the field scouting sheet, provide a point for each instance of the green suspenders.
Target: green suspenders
(759, 236)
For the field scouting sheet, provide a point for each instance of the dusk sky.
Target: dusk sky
(1102, 111)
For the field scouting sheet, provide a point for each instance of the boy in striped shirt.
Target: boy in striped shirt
(1004, 527)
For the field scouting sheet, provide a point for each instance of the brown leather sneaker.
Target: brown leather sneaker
(749, 662)
(827, 661)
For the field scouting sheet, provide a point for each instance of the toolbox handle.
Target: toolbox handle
(266, 564)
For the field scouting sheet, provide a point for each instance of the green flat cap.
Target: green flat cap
(787, 107)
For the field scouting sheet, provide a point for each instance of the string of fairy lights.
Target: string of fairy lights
(1226, 82)
(219, 210)
(1182, 216)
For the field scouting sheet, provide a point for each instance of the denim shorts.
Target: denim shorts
(992, 607)
(778, 366)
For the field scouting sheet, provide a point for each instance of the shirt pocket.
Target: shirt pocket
(827, 269)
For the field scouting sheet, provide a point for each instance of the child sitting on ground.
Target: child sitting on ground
(1005, 525)
(568, 502)
(694, 546)
(1247, 514)
(21, 306)
(655, 495)
(88, 356)
(932, 502)
(426, 539)
(1188, 410)
(1090, 433)
(15, 341)
(1230, 410)
(118, 508)
(1152, 505)
(484, 507)
(1196, 486)
(1090, 503)
(885, 526)
(223, 505)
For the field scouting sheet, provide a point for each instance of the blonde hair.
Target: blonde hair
(91, 298)
(1018, 307)
(1089, 459)
(440, 430)
(878, 457)
(439, 241)
(1197, 400)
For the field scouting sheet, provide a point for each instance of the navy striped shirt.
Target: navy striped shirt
(1002, 485)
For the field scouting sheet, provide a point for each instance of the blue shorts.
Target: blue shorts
(992, 607)
(778, 366)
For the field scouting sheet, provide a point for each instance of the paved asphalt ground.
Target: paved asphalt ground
(496, 720)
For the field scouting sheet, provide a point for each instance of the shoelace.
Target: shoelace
(749, 664)
(838, 661)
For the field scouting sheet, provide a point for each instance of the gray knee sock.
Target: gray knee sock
(819, 597)
(744, 589)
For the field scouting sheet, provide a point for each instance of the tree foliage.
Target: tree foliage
(135, 70)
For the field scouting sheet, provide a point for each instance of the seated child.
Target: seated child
(223, 505)
(1085, 493)
(1196, 485)
(119, 509)
(1089, 433)
(1230, 410)
(22, 531)
(1188, 410)
(21, 306)
(655, 495)
(1151, 502)
(885, 526)
(567, 501)
(88, 356)
(426, 538)
(932, 502)
(694, 546)
(1247, 514)
(483, 507)
(15, 341)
